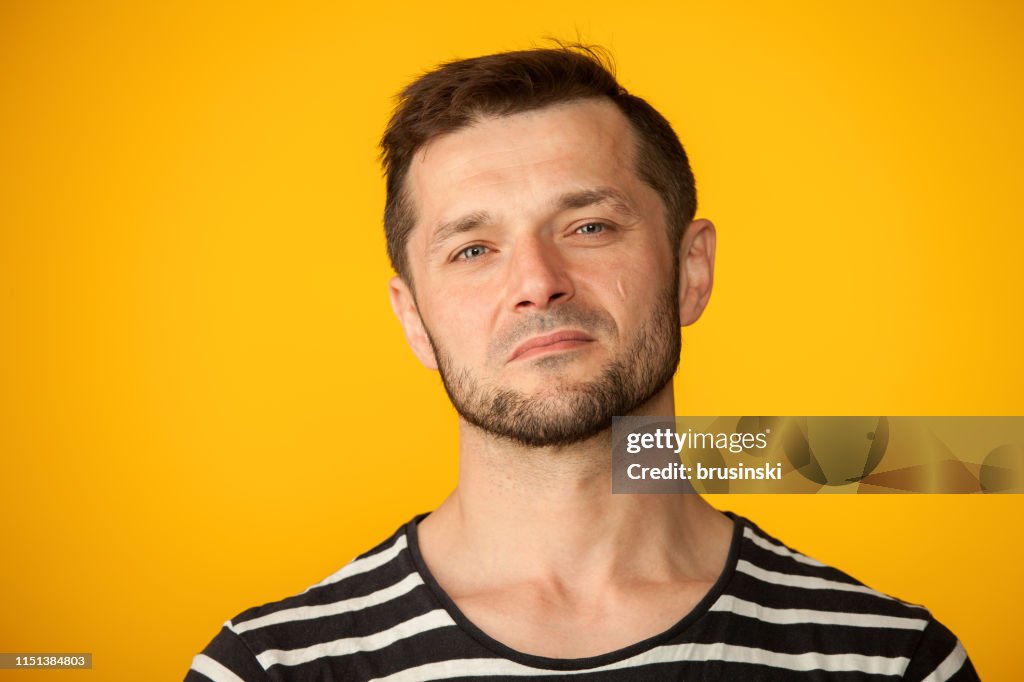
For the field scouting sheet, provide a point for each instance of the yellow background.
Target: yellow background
(206, 404)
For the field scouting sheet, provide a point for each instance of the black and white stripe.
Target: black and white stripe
(773, 614)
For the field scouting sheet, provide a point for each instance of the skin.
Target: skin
(531, 545)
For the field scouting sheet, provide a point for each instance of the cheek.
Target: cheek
(631, 281)
(631, 287)
(622, 288)
(458, 322)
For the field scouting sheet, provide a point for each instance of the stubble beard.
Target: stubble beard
(572, 412)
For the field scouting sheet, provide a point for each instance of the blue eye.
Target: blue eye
(471, 252)
(591, 228)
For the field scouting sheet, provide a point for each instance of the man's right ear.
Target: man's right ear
(404, 305)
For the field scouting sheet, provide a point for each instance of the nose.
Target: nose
(538, 275)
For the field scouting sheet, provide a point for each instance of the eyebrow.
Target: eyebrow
(598, 195)
(450, 228)
(566, 202)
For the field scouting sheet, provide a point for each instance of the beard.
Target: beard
(569, 413)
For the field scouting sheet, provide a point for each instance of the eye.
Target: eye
(471, 252)
(591, 228)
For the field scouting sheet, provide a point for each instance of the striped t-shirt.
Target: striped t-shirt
(773, 614)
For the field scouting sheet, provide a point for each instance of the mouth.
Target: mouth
(549, 343)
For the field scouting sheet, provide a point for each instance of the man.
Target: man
(541, 222)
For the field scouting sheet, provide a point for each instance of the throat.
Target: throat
(577, 587)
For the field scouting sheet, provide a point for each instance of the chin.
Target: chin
(562, 384)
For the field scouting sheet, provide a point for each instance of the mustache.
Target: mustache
(597, 323)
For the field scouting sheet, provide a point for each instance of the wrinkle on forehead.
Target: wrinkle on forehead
(527, 148)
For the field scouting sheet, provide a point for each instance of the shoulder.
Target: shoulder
(359, 600)
(805, 605)
(371, 578)
(787, 576)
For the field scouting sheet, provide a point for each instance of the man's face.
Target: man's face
(545, 280)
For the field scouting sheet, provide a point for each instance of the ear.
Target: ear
(403, 303)
(696, 269)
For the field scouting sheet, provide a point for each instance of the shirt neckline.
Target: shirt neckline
(548, 663)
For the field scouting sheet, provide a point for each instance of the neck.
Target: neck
(523, 513)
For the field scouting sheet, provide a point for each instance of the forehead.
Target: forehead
(516, 164)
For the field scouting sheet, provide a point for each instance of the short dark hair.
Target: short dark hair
(456, 94)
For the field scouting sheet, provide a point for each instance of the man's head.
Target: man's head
(455, 95)
(536, 217)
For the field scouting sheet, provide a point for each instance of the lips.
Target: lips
(563, 340)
